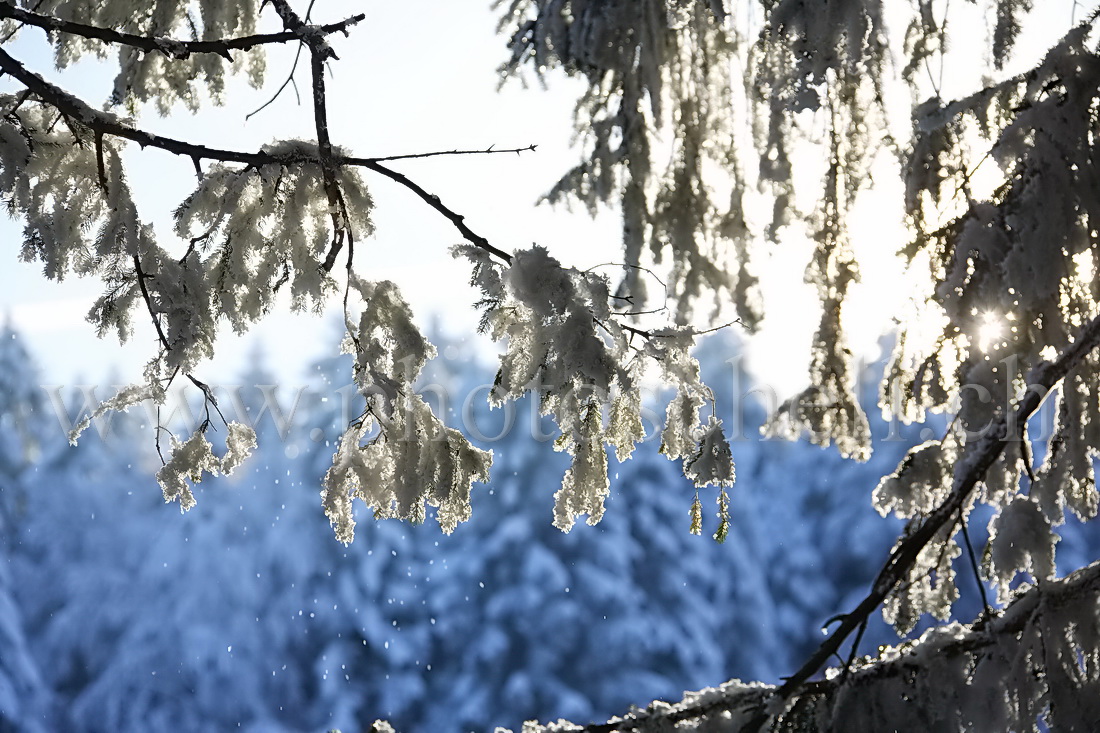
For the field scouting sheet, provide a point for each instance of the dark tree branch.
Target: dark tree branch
(433, 201)
(109, 124)
(341, 224)
(320, 52)
(208, 400)
(141, 275)
(101, 171)
(169, 46)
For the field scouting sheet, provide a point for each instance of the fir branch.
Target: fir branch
(985, 634)
(970, 470)
(320, 52)
(1012, 620)
(170, 47)
(108, 124)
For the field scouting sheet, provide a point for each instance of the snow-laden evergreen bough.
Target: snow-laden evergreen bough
(278, 219)
(697, 120)
(1020, 249)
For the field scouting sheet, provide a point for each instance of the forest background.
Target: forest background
(117, 613)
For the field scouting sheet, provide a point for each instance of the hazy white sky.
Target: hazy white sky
(417, 77)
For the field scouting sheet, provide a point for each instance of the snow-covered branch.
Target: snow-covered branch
(968, 473)
(1044, 634)
(109, 124)
(104, 123)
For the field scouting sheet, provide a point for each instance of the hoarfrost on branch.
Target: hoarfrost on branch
(695, 120)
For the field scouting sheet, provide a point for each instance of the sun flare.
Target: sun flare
(990, 332)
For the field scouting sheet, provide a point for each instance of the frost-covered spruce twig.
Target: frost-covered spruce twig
(320, 52)
(105, 123)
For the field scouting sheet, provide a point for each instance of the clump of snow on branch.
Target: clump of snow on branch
(239, 446)
(126, 397)
(919, 484)
(711, 463)
(397, 457)
(1020, 540)
(193, 457)
(236, 214)
(565, 345)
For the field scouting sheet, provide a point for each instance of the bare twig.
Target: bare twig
(433, 201)
(854, 651)
(156, 432)
(492, 149)
(208, 400)
(655, 335)
(986, 608)
(627, 266)
(289, 81)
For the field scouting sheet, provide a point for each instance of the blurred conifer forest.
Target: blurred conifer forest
(119, 614)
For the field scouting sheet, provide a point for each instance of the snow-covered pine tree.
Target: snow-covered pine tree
(689, 104)
(24, 701)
